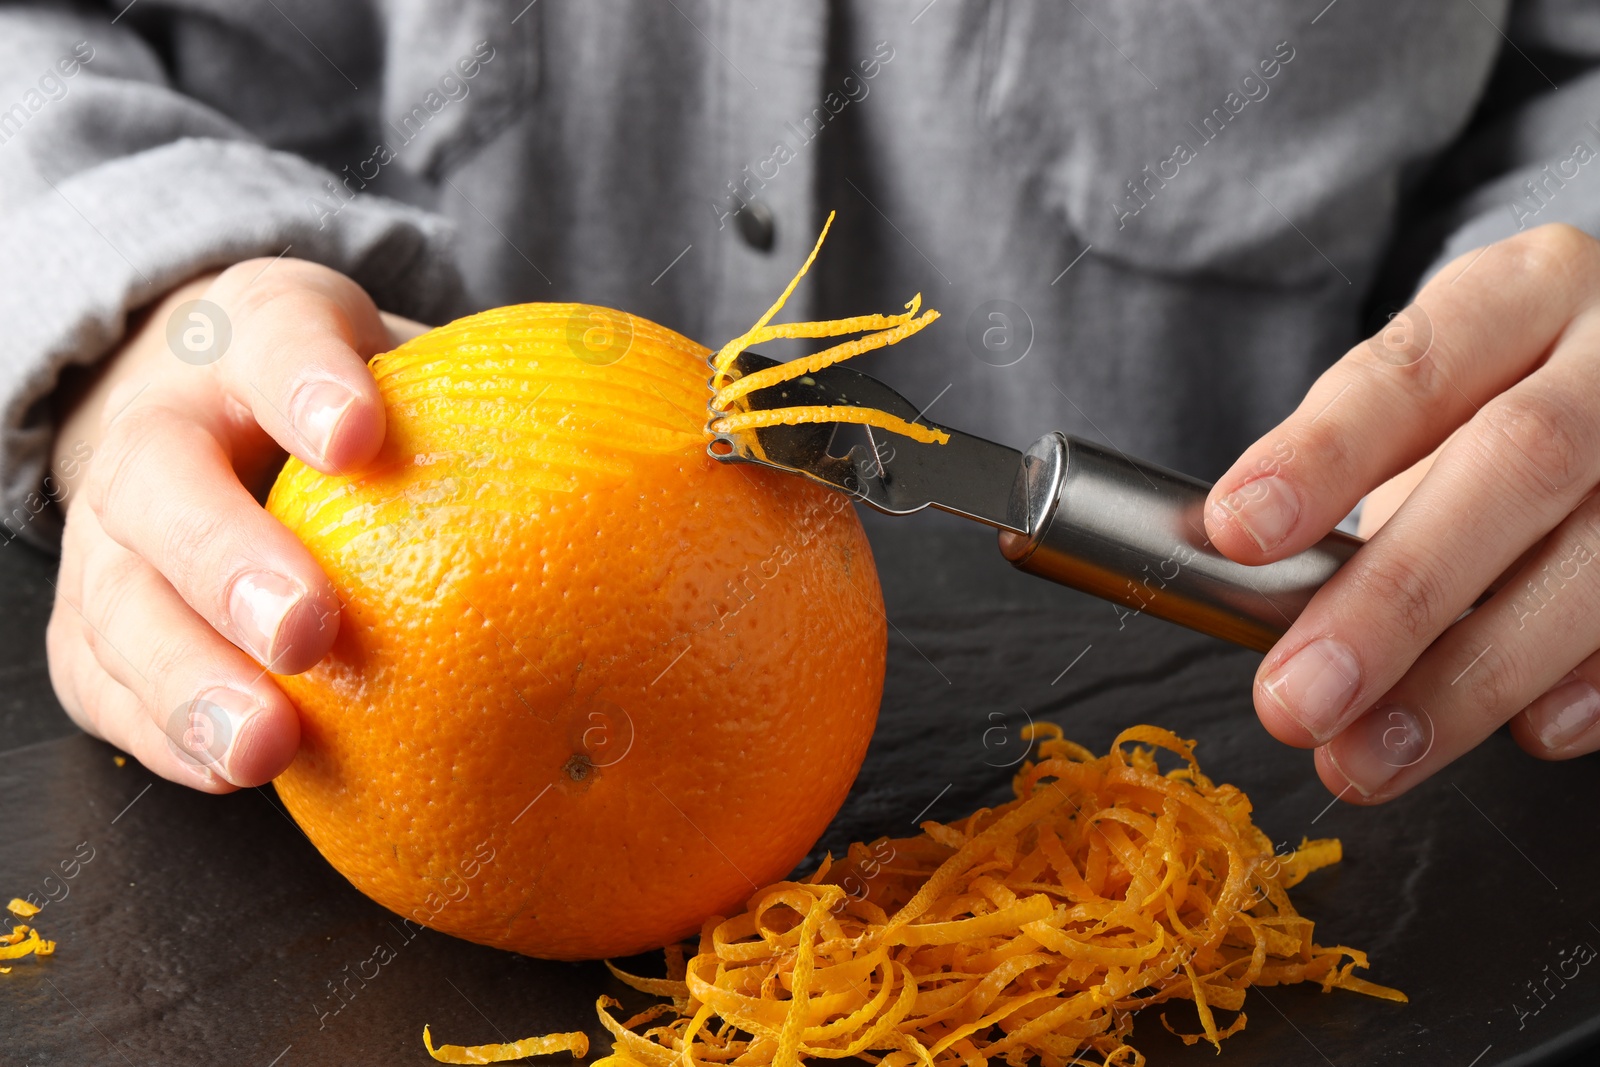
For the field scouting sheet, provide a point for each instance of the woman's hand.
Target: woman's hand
(1488, 389)
(177, 592)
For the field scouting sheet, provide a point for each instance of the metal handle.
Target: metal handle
(1134, 533)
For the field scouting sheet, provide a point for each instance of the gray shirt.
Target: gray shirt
(1151, 224)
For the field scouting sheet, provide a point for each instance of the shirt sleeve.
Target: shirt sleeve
(116, 186)
(1532, 154)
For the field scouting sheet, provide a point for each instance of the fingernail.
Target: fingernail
(259, 603)
(317, 409)
(205, 731)
(1266, 508)
(1314, 686)
(1379, 745)
(1566, 712)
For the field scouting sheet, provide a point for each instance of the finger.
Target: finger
(1492, 663)
(65, 644)
(62, 642)
(1508, 477)
(1473, 331)
(1564, 722)
(297, 359)
(103, 707)
(128, 728)
(162, 487)
(1379, 506)
(221, 710)
(61, 634)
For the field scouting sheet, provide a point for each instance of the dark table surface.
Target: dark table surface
(204, 930)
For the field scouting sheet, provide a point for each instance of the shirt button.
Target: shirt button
(756, 226)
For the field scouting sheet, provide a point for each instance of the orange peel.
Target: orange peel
(750, 420)
(28, 944)
(575, 1043)
(22, 909)
(731, 415)
(1030, 932)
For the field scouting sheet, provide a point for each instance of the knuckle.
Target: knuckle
(241, 271)
(1555, 250)
(255, 286)
(1405, 340)
(250, 279)
(118, 471)
(165, 659)
(189, 546)
(88, 683)
(121, 607)
(115, 582)
(1550, 438)
(1412, 594)
(1409, 363)
(285, 297)
(134, 507)
(1496, 685)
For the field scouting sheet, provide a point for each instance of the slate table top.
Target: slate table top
(206, 930)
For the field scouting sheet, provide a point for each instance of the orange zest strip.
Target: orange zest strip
(22, 909)
(660, 987)
(731, 416)
(24, 941)
(899, 328)
(730, 351)
(1030, 932)
(750, 420)
(1371, 989)
(575, 1043)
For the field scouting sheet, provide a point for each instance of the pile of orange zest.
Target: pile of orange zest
(891, 329)
(23, 940)
(1031, 932)
(22, 909)
(575, 1043)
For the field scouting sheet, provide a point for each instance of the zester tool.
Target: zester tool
(1066, 509)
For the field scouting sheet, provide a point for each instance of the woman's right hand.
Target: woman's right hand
(177, 591)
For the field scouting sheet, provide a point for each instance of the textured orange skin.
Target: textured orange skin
(589, 686)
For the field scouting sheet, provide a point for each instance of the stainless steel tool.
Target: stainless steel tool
(1068, 510)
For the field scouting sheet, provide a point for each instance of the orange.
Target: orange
(590, 686)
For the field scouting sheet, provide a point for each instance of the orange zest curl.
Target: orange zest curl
(1031, 932)
(750, 420)
(24, 940)
(727, 393)
(575, 1043)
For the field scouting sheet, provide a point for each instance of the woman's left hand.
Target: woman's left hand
(1474, 418)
